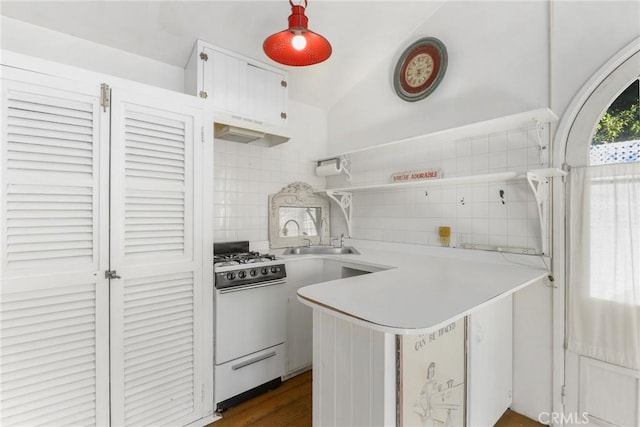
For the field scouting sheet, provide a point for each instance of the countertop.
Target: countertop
(422, 288)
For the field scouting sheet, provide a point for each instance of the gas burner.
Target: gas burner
(242, 258)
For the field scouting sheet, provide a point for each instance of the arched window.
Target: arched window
(617, 134)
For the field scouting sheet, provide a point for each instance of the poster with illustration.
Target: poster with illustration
(431, 389)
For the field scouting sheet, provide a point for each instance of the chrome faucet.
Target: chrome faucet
(284, 227)
(308, 240)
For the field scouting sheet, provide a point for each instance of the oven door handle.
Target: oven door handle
(252, 361)
(251, 286)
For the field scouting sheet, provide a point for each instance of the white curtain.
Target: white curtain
(604, 263)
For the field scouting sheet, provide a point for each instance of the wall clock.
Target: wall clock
(420, 69)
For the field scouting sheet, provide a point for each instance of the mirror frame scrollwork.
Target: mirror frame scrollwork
(297, 194)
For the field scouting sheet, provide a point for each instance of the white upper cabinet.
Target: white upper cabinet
(245, 93)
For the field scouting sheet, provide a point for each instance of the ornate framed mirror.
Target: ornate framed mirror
(298, 217)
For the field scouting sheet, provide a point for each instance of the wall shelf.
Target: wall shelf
(538, 179)
(431, 183)
(513, 121)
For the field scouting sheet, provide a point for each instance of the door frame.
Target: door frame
(559, 219)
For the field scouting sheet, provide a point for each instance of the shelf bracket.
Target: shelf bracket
(539, 181)
(345, 166)
(343, 199)
(539, 130)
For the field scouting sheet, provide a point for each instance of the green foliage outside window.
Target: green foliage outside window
(621, 122)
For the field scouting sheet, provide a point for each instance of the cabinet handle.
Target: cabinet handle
(283, 115)
(252, 361)
(203, 94)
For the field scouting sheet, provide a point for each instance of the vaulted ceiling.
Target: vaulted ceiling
(361, 32)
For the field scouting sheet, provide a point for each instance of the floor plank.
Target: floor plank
(290, 406)
(513, 419)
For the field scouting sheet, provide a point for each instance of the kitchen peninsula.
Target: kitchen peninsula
(358, 322)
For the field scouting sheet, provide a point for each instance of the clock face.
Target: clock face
(420, 69)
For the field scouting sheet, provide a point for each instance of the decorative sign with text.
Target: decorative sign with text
(432, 389)
(416, 175)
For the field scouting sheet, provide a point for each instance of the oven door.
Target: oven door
(249, 319)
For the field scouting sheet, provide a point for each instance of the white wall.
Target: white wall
(585, 34)
(497, 66)
(43, 43)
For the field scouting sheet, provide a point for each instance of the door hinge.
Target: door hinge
(105, 96)
(204, 56)
(283, 83)
(202, 133)
(203, 94)
(283, 115)
(111, 274)
(563, 394)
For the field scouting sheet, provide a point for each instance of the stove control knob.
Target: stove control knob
(275, 269)
(264, 270)
(242, 274)
(253, 272)
(231, 276)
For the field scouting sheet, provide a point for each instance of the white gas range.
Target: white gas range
(250, 320)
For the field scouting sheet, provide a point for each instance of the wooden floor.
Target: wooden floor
(290, 406)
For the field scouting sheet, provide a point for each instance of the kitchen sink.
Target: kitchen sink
(321, 250)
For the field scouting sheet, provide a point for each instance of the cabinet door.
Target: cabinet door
(490, 362)
(224, 80)
(54, 334)
(244, 90)
(299, 316)
(156, 227)
(266, 95)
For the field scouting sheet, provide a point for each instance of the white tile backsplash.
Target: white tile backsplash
(476, 213)
(244, 176)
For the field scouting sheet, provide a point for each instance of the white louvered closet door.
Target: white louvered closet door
(54, 299)
(156, 229)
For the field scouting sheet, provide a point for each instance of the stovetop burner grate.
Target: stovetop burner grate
(242, 258)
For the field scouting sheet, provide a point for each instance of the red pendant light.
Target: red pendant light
(297, 45)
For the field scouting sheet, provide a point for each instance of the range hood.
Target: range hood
(236, 134)
(247, 131)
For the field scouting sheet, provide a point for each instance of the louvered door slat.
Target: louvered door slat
(163, 133)
(158, 414)
(136, 407)
(52, 132)
(154, 145)
(53, 305)
(48, 142)
(150, 366)
(155, 354)
(52, 117)
(134, 150)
